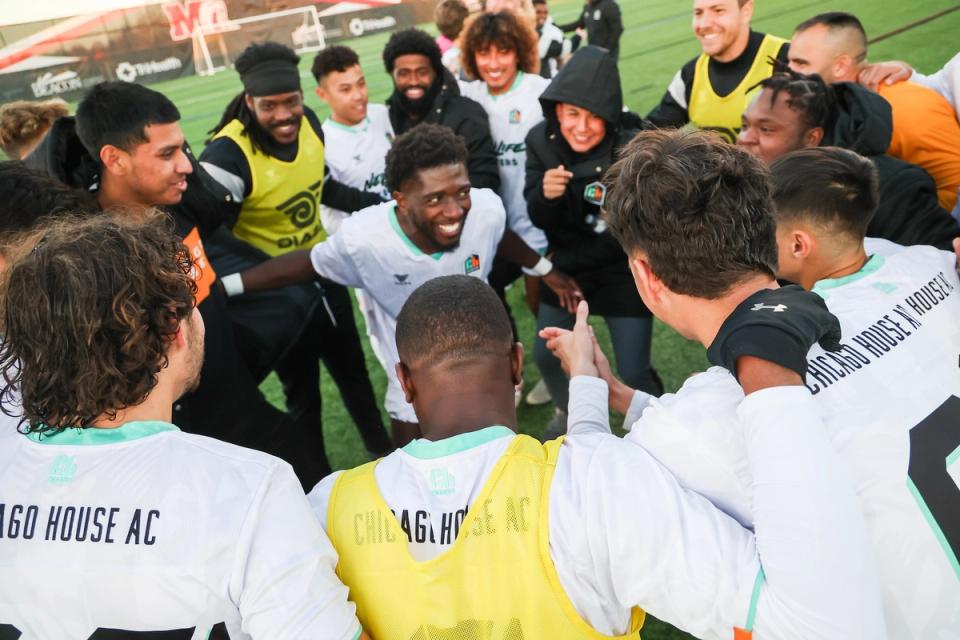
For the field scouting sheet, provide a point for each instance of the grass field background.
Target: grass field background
(657, 41)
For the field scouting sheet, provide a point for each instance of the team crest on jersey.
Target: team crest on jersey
(401, 278)
(515, 116)
(471, 264)
(595, 193)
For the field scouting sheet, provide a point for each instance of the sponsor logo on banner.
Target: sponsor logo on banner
(53, 84)
(360, 26)
(130, 71)
(208, 15)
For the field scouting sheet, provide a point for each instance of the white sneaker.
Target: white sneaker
(539, 394)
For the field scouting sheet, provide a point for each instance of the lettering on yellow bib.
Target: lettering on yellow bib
(496, 581)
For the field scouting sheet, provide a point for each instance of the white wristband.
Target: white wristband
(232, 284)
(543, 267)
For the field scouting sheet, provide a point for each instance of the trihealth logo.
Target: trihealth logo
(130, 71)
(360, 26)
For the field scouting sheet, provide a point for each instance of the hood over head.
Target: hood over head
(863, 121)
(591, 81)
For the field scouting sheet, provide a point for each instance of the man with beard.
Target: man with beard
(268, 150)
(101, 337)
(424, 91)
(390, 249)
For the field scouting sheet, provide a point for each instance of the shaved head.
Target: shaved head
(832, 45)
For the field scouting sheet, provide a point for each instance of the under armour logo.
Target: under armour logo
(401, 278)
(777, 308)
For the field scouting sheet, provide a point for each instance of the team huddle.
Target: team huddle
(787, 205)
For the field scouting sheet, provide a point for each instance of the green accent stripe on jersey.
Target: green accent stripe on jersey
(94, 436)
(953, 457)
(360, 127)
(406, 240)
(517, 79)
(871, 265)
(428, 450)
(937, 531)
(754, 599)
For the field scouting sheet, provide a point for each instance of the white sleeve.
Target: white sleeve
(284, 582)
(591, 414)
(319, 497)
(946, 81)
(820, 581)
(229, 181)
(639, 402)
(678, 90)
(333, 259)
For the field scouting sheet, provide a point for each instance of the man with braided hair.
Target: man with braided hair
(794, 111)
(132, 527)
(436, 225)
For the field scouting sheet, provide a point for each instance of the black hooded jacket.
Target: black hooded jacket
(467, 119)
(908, 212)
(580, 243)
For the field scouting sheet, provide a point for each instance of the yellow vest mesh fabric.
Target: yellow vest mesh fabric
(709, 111)
(496, 582)
(282, 212)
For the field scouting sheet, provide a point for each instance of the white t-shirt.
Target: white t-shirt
(370, 251)
(145, 528)
(356, 157)
(887, 397)
(511, 116)
(623, 533)
(946, 82)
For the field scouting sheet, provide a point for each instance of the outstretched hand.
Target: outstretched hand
(575, 349)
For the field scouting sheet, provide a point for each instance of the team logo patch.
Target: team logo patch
(595, 193)
(515, 116)
(471, 264)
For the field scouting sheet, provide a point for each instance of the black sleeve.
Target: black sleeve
(206, 202)
(611, 15)
(543, 213)
(224, 153)
(669, 113)
(474, 128)
(576, 24)
(350, 199)
(555, 49)
(909, 213)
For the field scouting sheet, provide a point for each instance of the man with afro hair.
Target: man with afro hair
(425, 91)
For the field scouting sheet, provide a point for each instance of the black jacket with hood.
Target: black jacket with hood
(580, 243)
(908, 212)
(467, 119)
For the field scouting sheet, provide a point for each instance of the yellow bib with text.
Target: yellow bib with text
(495, 582)
(709, 111)
(282, 212)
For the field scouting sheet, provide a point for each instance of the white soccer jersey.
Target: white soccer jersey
(116, 532)
(372, 252)
(623, 533)
(356, 157)
(891, 400)
(511, 116)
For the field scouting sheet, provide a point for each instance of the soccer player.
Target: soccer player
(127, 524)
(126, 147)
(480, 528)
(888, 396)
(357, 134)
(603, 22)
(436, 225)
(425, 92)
(268, 150)
(567, 155)
(793, 111)
(712, 90)
(925, 128)
(551, 45)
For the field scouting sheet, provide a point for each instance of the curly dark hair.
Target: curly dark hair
(503, 30)
(27, 196)
(89, 314)
(449, 16)
(697, 206)
(412, 41)
(237, 107)
(424, 147)
(22, 122)
(808, 95)
(333, 59)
